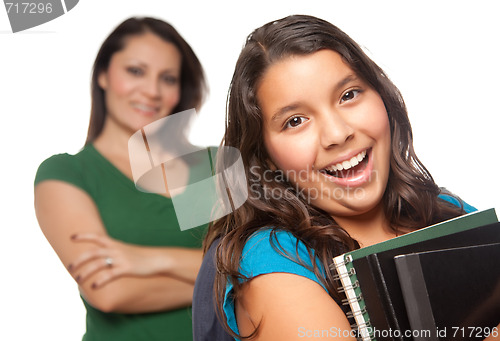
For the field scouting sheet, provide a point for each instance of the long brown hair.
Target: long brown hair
(411, 197)
(192, 77)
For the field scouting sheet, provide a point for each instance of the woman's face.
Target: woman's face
(328, 131)
(142, 83)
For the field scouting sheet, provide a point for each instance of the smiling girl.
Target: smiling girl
(330, 167)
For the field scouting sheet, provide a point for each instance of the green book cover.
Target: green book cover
(347, 273)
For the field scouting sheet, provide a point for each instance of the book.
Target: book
(382, 294)
(452, 294)
(369, 277)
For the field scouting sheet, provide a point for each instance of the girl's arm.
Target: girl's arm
(292, 307)
(289, 307)
(137, 282)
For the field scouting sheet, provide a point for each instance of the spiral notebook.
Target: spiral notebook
(369, 277)
(470, 310)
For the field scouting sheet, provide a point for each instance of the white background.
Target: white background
(443, 56)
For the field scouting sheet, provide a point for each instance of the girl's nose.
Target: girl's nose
(335, 130)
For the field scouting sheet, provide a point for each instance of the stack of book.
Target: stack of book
(438, 283)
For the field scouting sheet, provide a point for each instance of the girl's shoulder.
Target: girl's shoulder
(455, 200)
(272, 250)
(267, 251)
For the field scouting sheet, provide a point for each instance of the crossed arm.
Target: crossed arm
(141, 279)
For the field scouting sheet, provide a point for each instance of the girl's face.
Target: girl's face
(142, 83)
(328, 131)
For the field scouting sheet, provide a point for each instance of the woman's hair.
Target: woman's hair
(411, 197)
(192, 77)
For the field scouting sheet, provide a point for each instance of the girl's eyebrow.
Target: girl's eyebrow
(280, 112)
(349, 78)
(294, 106)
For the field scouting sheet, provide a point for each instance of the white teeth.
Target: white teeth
(346, 164)
(353, 162)
(361, 156)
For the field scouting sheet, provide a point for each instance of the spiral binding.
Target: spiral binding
(352, 299)
(347, 260)
(348, 274)
(348, 301)
(349, 287)
(367, 324)
(352, 314)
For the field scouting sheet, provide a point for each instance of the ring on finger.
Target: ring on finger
(108, 261)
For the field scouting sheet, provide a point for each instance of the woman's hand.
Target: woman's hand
(111, 259)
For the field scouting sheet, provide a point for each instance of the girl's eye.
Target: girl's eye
(349, 95)
(295, 122)
(134, 71)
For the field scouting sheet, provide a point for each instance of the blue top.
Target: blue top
(457, 202)
(261, 256)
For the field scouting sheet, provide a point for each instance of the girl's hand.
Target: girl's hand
(111, 259)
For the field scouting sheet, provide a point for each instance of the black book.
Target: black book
(370, 279)
(452, 294)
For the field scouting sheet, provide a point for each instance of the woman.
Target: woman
(134, 266)
(330, 167)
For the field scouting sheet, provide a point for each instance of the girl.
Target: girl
(134, 267)
(330, 167)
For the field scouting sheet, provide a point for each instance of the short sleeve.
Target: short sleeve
(264, 254)
(62, 167)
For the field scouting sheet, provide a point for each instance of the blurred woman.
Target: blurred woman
(134, 266)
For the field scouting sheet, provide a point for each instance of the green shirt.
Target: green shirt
(134, 217)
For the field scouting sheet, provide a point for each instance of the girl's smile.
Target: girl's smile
(352, 172)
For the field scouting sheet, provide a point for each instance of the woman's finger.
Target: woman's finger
(105, 277)
(103, 267)
(87, 256)
(99, 239)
